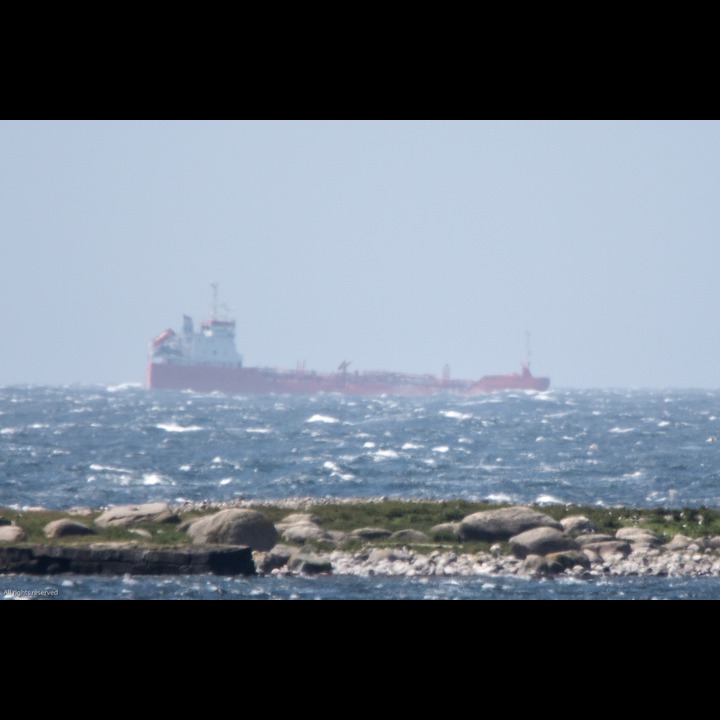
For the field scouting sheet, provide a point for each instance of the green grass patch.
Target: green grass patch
(391, 515)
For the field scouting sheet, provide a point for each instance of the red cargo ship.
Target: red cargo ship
(208, 361)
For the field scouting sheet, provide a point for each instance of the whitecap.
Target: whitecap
(386, 454)
(153, 479)
(663, 423)
(259, 431)
(455, 414)
(621, 430)
(369, 445)
(173, 427)
(123, 386)
(226, 481)
(499, 498)
(322, 419)
(547, 500)
(411, 446)
(441, 449)
(108, 468)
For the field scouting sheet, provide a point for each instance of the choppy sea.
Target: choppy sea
(63, 447)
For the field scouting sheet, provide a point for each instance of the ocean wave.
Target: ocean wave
(175, 428)
(322, 419)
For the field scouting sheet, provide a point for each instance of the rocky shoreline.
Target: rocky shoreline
(239, 539)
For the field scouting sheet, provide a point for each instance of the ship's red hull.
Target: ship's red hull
(255, 381)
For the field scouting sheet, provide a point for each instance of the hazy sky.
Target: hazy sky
(397, 245)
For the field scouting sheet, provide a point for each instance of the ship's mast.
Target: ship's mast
(527, 349)
(214, 286)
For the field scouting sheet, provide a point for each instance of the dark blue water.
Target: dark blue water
(90, 446)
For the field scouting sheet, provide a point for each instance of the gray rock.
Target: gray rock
(83, 511)
(679, 542)
(12, 533)
(610, 550)
(297, 519)
(377, 555)
(309, 563)
(370, 533)
(570, 558)
(712, 543)
(540, 565)
(639, 535)
(336, 536)
(142, 532)
(584, 540)
(504, 523)
(445, 531)
(235, 527)
(541, 541)
(409, 536)
(303, 532)
(273, 559)
(115, 560)
(577, 525)
(129, 515)
(65, 527)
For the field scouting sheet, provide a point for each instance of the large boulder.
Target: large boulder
(639, 536)
(235, 527)
(409, 536)
(593, 539)
(302, 532)
(445, 531)
(309, 563)
(541, 541)
(578, 525)
(370, 533)
(12, 533)
(129, 515)
(504, 523)
(608, 551)
(66, 527)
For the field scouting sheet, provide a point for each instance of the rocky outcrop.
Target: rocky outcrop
(130, 515)
(119, 560)
(235, 527)
(502, 524)
(65, 528)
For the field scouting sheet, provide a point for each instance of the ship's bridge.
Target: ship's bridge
(215, 344)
